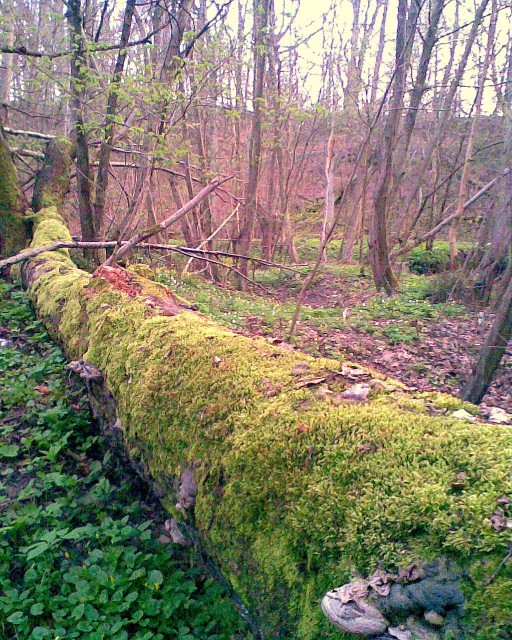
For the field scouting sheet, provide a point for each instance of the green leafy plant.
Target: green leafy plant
(79, 555)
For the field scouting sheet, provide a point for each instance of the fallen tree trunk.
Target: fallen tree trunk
(296, 489)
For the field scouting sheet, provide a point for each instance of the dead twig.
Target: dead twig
(500, 567)
(27, 254)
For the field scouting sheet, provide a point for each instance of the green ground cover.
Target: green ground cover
(397, 319)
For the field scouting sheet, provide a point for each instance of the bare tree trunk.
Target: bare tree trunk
(447, 111)
(464, 180)
(328, 220)
(354, 231)
(493, 349)
(420, 87)
(501, 228)
(261, 20)
(110, 123)
(380, 53)
(378, 246)
(7, 64)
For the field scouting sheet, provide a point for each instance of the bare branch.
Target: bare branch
(29, 134)
(161, 226)
(433, 232)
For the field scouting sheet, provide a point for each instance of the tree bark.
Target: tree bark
(492, 351)
(52, 180)
(464, 179)
(110, 123)
(79, 72)
(378, 245)
(261, 21)
(13, 204)
(500, 218)
(447, 112)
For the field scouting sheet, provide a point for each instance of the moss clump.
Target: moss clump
(296, 492)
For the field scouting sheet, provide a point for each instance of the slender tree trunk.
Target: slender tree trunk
(420, 86)
(110, 123)
(328, 220)
(79, 72)
(7, 64)
(378, 246)
(261, 20)
(447, 112)
(464, 180)
(354, 230)
(493, 349)
(380, 52)
(500, 240)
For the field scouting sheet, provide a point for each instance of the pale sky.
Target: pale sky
(317, 15)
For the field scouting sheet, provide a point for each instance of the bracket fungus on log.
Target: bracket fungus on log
(294, 491)
(425, 602)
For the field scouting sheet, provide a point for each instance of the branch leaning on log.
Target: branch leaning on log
(27, 254)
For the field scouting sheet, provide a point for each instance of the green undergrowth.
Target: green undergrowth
(397, 319)
(79, 556)
(436, 260)
(298, 490)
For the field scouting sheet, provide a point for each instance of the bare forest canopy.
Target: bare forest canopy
(398, 110)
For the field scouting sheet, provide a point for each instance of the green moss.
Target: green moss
(141, 269)
(296, 492)
(13, 232)
(52, 180)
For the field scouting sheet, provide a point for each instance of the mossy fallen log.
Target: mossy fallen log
(297, 491)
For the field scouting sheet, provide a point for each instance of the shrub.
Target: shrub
(436, 260)
(423, 261)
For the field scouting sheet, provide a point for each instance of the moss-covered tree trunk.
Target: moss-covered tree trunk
(297, 489)
(292, 489)
(52, 180)
(13, 204)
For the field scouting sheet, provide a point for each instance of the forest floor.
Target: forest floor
(426, 346)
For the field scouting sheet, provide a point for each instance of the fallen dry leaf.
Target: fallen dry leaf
(309, 382)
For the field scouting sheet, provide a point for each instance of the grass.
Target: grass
(79, 549)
